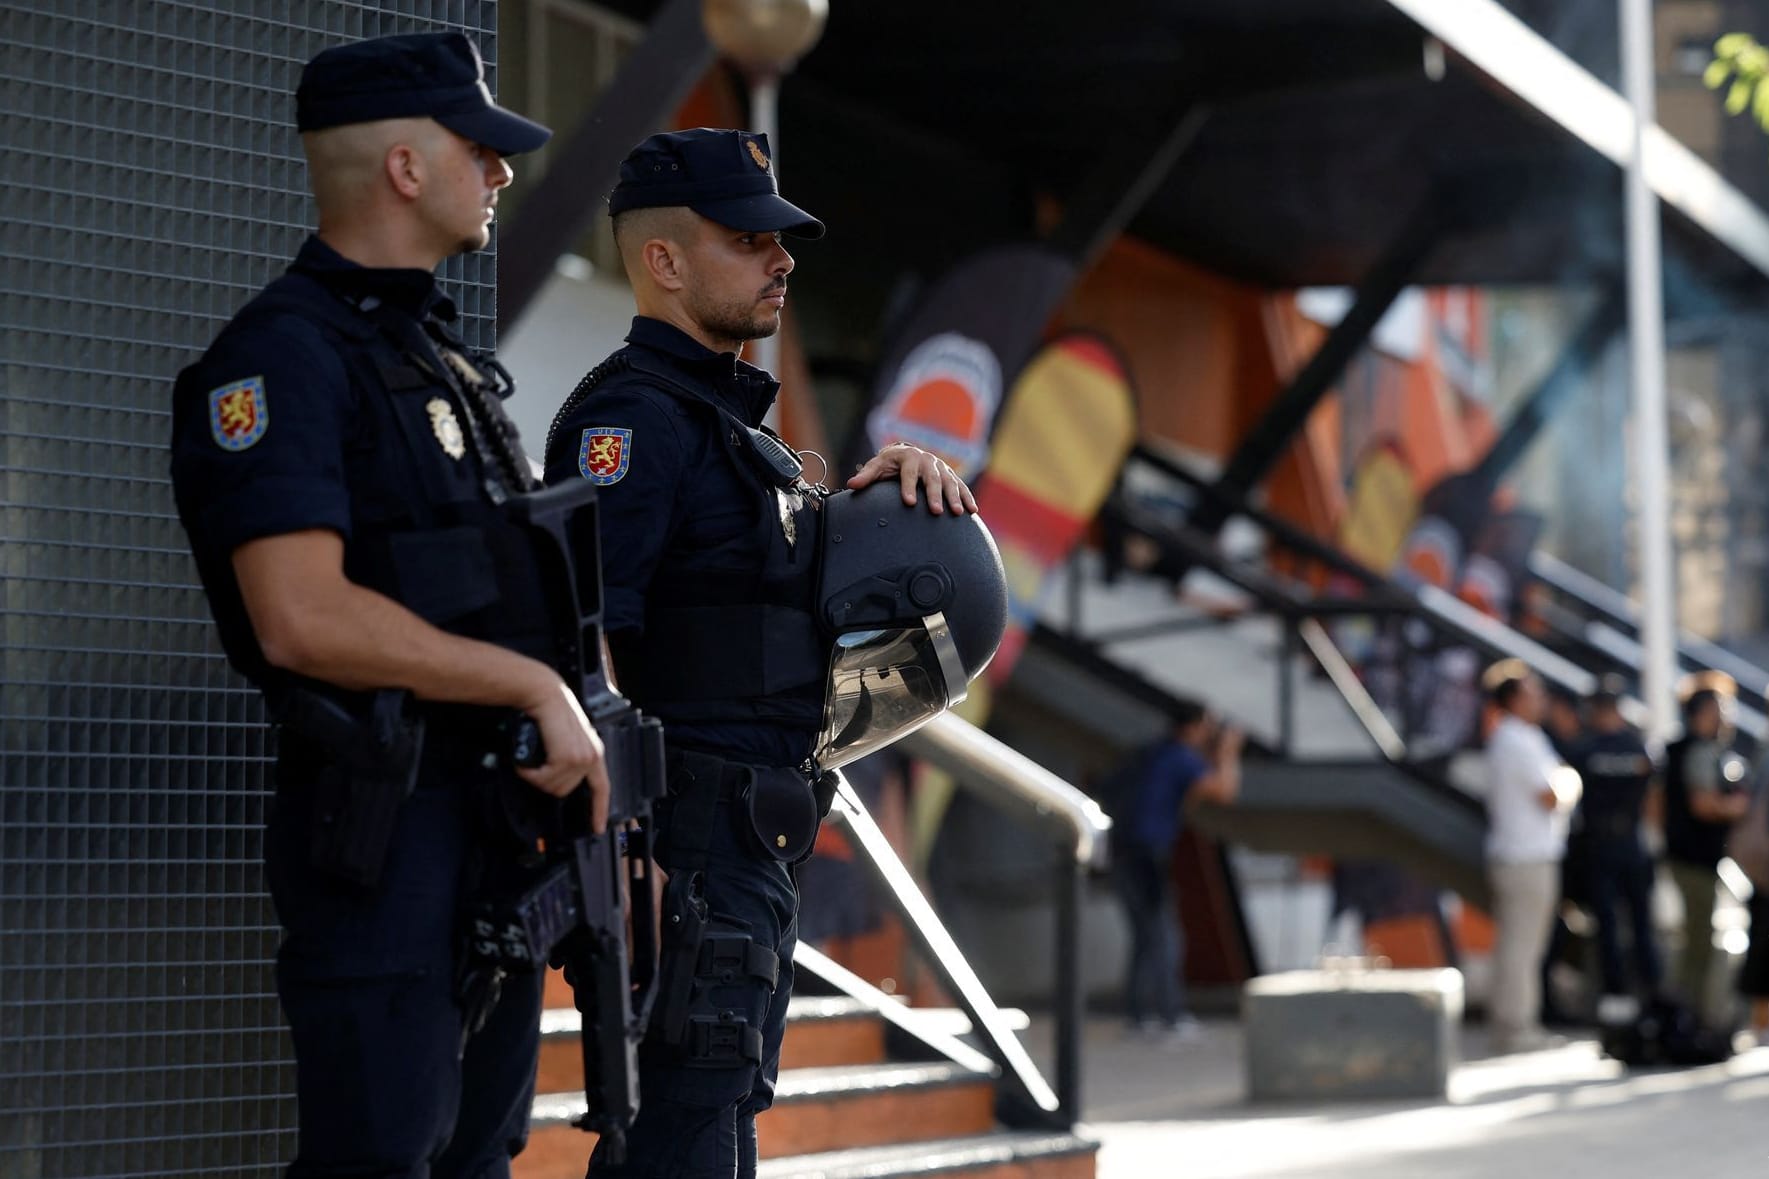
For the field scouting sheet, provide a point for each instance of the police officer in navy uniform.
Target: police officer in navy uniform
(1618, 771)
(708, 541)
(340, 459)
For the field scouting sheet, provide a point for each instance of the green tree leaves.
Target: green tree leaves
(1741, 68)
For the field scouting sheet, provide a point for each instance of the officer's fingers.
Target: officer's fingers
(549, 781)
(599, 792)
(867, 474)
(598, 808)
(933, 473)
(957, 494)
(908, 476)
(884, 463)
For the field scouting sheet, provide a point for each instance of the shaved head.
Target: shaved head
(347, 165)
(635, 227)
(402, 192)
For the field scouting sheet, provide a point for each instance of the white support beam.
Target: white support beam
(1524, 63)
(1646, 349)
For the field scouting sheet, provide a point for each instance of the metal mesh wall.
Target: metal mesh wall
(152, 183)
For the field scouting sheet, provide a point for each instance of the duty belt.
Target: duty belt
(782, 807)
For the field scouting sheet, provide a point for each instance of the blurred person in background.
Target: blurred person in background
(1563, 722)
(1748, 846)
(1530, 795)
(1197, 761)
(1617, 774)
(1565, 725)
(1753, 977)
(1704, 795)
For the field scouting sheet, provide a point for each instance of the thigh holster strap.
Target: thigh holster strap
(732, 957)
(723, 1040)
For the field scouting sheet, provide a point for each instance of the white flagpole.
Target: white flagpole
(1646, 347)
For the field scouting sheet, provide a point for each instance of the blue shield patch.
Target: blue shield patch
(605, 454)
(238, 414)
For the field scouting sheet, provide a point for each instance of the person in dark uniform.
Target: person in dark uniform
(709, 553)
(1705, 794)
(1617, 770)
(339, 458)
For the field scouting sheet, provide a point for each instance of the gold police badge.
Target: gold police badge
(755, 153)
(447, 428)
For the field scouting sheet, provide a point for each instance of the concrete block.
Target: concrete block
(1351, 1034)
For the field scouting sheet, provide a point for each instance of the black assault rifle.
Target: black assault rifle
(580, 890)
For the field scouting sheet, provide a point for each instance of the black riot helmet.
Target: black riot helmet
(916, 605)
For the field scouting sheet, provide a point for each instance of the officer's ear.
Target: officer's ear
(664, 260)
(405, 170)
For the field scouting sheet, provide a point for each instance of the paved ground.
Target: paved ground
(1567, 1113)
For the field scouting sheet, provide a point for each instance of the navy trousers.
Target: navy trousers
(1152, 988)
(367, 983)
(697, 1116)
(1620, 885)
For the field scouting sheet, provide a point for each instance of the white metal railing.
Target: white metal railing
(985, 764)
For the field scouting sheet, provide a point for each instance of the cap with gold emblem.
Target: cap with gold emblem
(725, 176)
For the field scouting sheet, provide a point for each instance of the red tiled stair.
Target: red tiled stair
(841, 1111)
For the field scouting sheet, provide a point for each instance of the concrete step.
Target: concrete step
(816, 1110)
(822, 1109)
(821, 1031)
(1003, 1154)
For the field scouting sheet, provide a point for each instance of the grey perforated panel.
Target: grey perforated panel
(151, 182)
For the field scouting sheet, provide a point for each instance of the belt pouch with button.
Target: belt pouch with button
(782, 810)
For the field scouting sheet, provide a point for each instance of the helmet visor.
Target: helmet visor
(885, 684)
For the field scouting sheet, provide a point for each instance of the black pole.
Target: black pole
(1121, 184)
(652, 82)
(1266, 443)
(1071, 1000)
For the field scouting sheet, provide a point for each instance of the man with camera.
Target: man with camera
(1198, 761)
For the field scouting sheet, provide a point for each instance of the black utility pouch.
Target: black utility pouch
(782, 811)
(358, 796)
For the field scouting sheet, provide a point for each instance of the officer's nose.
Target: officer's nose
(497, 171)
(781, 264)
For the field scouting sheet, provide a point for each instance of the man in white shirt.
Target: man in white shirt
(1530, 796)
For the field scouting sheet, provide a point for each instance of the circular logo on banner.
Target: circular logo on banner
(1486, 585)
(1433, 552)
(943, 399)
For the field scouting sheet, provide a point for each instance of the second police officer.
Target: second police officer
(707, 536)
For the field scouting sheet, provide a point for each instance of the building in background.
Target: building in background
(158, 183)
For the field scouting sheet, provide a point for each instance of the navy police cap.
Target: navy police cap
(725, 176)
(421, 75)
